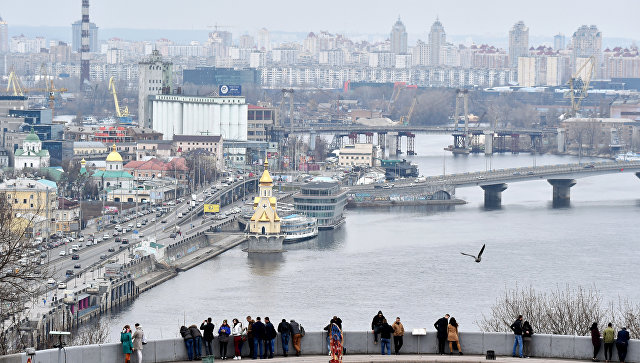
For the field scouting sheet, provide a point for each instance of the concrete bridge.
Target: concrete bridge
(390, 137)
(423, 345)
(561, 177)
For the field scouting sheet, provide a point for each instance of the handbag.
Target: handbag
(144, 340)
(243, 335)
(302, 332)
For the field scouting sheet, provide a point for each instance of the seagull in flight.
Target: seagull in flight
(476, 258)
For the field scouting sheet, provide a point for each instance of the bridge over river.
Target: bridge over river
(561, 177)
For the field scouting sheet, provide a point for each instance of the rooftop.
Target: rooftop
(199, 138)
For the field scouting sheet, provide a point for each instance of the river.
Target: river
(406, 261)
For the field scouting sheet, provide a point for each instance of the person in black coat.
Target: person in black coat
(258, 337)
(207, 326)
(188, 340)
(269, 338)
(376, 324)
(284, 329)
(441, 327)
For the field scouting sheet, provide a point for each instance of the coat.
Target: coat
(452, 333)
(527, 330)
(609, 335)
(138, 335)
(236, 330)
(186, 333)
(595, 337)
(385, 331)
(623, 337)
(258, 330)
(208, 330)
(269, 331)
(441, 327)
(517, 327)
(398, 329)
(195, 332)
(284, 328)
(377, 320)
(295, 327)
(223, 333)
(127, 344)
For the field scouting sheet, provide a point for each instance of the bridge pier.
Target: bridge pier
(488, 142)
(382, 141)
(561, 191)
(493, 195)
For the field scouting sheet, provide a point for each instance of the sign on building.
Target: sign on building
(230, 90)
(212, 208)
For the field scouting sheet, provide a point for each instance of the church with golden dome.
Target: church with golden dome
(114, 176)
(264, 227)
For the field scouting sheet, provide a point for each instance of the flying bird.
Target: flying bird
(476, 258)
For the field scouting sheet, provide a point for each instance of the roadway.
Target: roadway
(510, 175)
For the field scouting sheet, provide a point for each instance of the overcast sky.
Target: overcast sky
(618, 18)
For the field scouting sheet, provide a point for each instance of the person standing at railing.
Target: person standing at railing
(609, 338)
(127, 343)
(138, 341)
(385, 337)
(595, 340)
(398, 333)
(622, 343)
(517, 332)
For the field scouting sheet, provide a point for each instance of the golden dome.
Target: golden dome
(266, 177)
(114, 155)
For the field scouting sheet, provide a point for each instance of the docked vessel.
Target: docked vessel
(323, 200)
(297, 227)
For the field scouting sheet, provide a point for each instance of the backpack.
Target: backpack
(302, 331)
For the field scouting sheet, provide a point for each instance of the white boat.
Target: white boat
(297, 227)
(629, 156)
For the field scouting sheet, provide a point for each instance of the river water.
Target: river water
(406, 261)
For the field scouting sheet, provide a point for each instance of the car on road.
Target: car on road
(530, 173)
(111, 249)
(517, 173)
(180, 215)
(172, 235)
(77, 265)
(103, 257)
(118, 240)
(589, 166)
(62, 253)
(138, 225)
(62, 285)
(480, 177)
(130, 225)
(51, 281)
(163, 221)
(75, 256)
(70, 273)
(118, 227)
(125, 241)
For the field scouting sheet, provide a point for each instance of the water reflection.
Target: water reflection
(265, 264)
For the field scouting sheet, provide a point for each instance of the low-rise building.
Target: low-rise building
(143, 170)
(259, 120)
(211, 144)
(356, 155)
(154, 148)
(89, 148)
(32, 200)
(67, 216)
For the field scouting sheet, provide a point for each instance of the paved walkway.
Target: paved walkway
(431, 358)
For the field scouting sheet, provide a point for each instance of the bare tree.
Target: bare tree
(21, 279)
(567, 311)
(97, 333)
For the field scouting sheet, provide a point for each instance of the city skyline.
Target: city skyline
(354, 18)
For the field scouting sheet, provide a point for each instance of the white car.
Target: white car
(51, 281)
(62, 286)
(63, 253)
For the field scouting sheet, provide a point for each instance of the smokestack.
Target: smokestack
(84, 49)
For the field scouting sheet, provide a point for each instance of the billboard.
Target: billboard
(212, 208)
(230, 90)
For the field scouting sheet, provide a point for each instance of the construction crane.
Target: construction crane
(579, 85)
(15, 85)
(120, 111)
(406, 119)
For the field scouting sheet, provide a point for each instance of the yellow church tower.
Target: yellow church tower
(264, 227)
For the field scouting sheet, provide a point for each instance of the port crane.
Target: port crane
(579, 85)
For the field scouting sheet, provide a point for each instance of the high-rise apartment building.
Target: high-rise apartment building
(587, 42)
(518, 43)
(155, 77)
(76, 36)
(398, 38)
(437, 39)
(4, 36)
(264, 40)
(558, 42)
